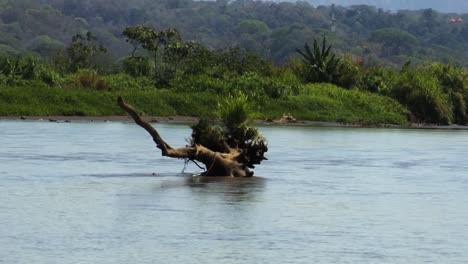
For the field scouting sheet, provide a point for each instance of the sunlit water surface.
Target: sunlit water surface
(101, 193)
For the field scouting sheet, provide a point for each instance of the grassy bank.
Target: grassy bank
(191, 80)
(318, 102)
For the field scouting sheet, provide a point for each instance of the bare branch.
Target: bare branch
(218, 164)
(160, 143)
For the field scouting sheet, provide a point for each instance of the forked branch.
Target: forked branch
(217, 163)
(160, 143)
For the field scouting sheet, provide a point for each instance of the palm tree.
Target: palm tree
(320, 64)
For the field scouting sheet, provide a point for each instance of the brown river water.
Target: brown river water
(99, 192)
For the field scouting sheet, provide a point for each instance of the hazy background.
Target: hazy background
(440, 5)
(271, 29)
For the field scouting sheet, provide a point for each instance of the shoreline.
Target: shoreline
(69, 119)
(193, 120)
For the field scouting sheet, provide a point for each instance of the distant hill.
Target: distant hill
(273, 30)
(457, 6)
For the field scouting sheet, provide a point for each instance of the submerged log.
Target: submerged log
(230, 162)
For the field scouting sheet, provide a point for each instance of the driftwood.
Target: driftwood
(226, 163)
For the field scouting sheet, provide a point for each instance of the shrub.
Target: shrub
(421, 91)
(348, 74)
(377, 80)
(251, 84)
(89, 79)
(11, 71)
(287, 77)
(18, 71)
(454, 82)
(200, 83)
(137, 66)
(50, 77)
(241, 61)
(8, 50)
(235, 113)
(255, 86)
(122, 81)
(208, 135)
(327, 102)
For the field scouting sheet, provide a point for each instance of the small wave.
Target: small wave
(140, 175)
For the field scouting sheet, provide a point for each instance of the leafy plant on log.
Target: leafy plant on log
(230, 149)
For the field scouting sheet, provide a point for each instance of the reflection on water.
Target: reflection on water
(228, 188)
(101, 193)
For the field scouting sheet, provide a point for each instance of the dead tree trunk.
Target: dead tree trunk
(217, 163)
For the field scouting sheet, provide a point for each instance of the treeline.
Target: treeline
(448, 6)
(166, 74)
(272, 30)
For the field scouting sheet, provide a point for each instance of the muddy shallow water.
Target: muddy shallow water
(101, 193)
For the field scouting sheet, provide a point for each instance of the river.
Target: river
(100, 192)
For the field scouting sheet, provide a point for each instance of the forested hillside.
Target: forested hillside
(74, 57)
(273, 30)
(455, 6)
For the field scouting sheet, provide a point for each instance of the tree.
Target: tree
(395, 41)
(232, 149)
(82, 50)
(253, 35)
(8, 51)
(45, 45)
(166, 48)
(428, 20)
(286, 39)
(150, 39)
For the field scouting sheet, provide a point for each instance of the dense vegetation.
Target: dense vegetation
(454, 6)
(273, 30)
(163, 73)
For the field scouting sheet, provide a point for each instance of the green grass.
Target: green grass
(320, 102)
(326, 102)
(43, 101)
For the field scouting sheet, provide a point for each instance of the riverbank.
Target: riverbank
(192, 120)
(318, 102)
(114, 118)
(169, 120)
